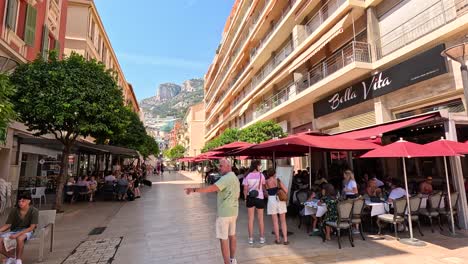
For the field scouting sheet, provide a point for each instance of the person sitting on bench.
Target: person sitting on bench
(21, 223)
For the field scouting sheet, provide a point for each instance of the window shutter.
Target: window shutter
(45, 42)
(30, 28)
(12, 10)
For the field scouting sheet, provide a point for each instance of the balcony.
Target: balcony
(353, 52)
(437, 15)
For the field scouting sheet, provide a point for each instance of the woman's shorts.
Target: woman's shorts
(255, 202)
(275, 206)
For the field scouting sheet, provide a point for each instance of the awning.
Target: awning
(377, 130)
(319, 44)
(119, 150)
(245, 107)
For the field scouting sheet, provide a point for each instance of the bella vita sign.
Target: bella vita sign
(421, 67)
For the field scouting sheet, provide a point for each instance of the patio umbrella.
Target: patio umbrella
(233, 146)
(299, 144)
(448, 148)
(403, 149)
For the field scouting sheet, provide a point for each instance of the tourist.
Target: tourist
(329, 199)
(136, 185)
(425, 187)
(228, 190)
(276, 207)
(372, 190)
(111, 177)
(122, 185)
(396, 192)
(83, 181)
(21, 223)
(349, 185)
(92, 185)
(254, 191)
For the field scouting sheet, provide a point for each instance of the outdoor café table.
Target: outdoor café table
(312, 208)
(378, 208)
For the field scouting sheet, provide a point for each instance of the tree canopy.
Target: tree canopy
(175, 153)
(6, 106)
(67, 98)
(256, 133)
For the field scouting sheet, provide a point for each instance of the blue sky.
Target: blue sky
(158, 41)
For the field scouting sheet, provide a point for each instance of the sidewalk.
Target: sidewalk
(167, 226)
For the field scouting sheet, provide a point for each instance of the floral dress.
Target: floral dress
(332, 212)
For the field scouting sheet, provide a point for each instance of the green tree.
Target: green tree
(228, 136)
(261, 131)
(150, 147)
(67, 98)
(176, 152)
(6, 106)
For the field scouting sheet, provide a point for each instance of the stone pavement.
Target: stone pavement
(167, 226)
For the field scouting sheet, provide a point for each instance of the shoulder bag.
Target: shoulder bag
(282, 195)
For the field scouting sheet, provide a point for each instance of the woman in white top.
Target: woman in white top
(254, 183)
(276, 207)
(350, 189)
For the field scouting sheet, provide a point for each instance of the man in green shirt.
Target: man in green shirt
(21, 222)
(228, 190)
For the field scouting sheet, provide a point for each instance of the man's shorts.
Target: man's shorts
(225, 226)
(8, 234)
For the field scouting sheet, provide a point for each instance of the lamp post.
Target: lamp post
(459, 53)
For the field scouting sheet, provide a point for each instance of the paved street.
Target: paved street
(166, 226)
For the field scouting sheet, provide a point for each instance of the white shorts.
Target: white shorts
(8, 234)
(225, 226)
(275, 206)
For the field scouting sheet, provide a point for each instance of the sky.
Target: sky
(159, 41)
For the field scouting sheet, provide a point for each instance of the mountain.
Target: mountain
(173, 99)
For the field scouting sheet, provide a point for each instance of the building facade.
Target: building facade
(29, 28)
(342, 65)
(86, 35)
(192, 136)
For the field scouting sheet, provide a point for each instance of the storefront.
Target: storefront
(419, 100)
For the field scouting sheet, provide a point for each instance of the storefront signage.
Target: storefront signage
(421, 67)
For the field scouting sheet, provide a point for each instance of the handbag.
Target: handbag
(255, 193)
(282, 195)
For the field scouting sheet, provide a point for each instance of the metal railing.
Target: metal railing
(435, 16)
(354, 51)
(322, 15)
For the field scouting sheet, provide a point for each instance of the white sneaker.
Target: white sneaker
(356, 231)
(18, 261)
(262, 240)
(251, 241)
(234, 261)
(10, 261)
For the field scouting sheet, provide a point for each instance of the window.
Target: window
(30, 26)
(45, 42)
(11, 14)
(91, 35)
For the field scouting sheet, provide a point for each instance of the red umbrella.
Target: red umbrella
(233, 146)
(448, 148)
(403, 149)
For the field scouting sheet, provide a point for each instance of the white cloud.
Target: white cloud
(162, 61)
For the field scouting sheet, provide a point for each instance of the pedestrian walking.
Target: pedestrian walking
(275, 206)
(254, 184)
(228, 190)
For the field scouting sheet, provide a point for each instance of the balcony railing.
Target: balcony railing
(322, 15)
(354, 51)
(435, 16)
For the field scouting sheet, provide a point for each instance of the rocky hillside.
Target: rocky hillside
(173, 99)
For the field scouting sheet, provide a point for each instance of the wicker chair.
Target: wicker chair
(415, 204)
(358, 207)
(446, 211)
(345, 210)
(398, 216)
(432, 209)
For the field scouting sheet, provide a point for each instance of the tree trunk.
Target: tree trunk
(61, 178)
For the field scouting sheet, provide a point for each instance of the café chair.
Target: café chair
(358, 207)
(301, 198)
(446, 211)
(398, 216)
(415, 206)
(432, 209)
(345, 211)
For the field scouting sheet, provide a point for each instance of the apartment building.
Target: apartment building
(192, 134)
(368, 69)
(86, 35)
(28, 28)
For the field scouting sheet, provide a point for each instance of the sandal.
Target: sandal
(277, 242)
(286, 243)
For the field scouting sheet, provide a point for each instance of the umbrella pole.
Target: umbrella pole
(409, 241)
(274, 159)
(448, 195)
(310, 168)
